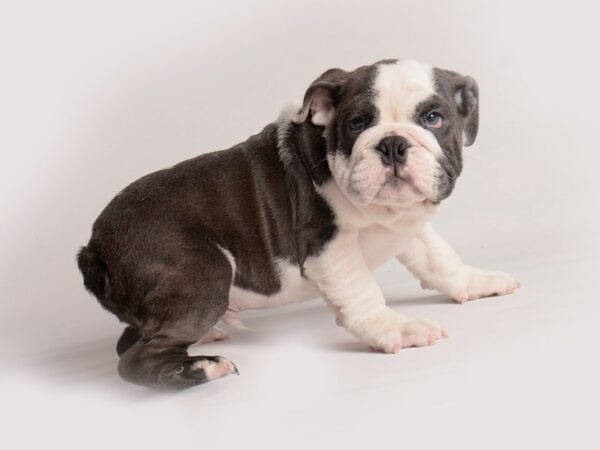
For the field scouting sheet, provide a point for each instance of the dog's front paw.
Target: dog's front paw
(390, 332)
(473, 283)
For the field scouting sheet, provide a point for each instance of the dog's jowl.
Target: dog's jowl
(308, 207)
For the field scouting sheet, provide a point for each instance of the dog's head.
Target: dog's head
(394, 130)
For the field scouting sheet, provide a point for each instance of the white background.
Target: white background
(96, 94)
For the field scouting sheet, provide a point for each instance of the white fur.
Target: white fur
(230, 258)
(434, 262)
(400, 88)
(294, 288)
(376, 222)
(214, 370)
(343, 271)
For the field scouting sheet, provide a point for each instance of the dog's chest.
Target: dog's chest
(377, 244)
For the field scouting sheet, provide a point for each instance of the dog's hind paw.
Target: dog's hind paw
(214, 367)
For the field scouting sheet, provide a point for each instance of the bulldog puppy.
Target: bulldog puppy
(306, 208)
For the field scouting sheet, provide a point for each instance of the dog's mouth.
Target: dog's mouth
(400, 184)
(396, 175)
(400, 177)
(399, 188)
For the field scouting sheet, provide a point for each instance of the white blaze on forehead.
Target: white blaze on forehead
(400, 87)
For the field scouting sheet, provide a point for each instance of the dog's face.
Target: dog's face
(394, 130)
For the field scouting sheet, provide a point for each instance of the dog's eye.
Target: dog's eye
(357, 124)
(433, 120)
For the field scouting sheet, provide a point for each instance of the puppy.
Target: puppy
(308, 207)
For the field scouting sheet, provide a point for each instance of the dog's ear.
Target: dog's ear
(464, 93)
(322, 97)
(466, 96)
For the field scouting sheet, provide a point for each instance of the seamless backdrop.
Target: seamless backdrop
(96, 94)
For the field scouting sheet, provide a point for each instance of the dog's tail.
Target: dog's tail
(95, 272)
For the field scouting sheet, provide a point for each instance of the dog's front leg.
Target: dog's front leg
(346, 282)
(433, 261)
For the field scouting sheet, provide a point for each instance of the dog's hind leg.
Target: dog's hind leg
(182, 308)
(164, 362)
(129, 337)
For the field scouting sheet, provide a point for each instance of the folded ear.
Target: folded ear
(463, 92)
(466, 96)
(321, 98)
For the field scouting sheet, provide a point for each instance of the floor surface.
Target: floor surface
(527, 363)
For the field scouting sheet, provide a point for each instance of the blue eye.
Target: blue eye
(357, 123)
(433, 120)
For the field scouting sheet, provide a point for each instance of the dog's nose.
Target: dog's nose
(392, 149)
